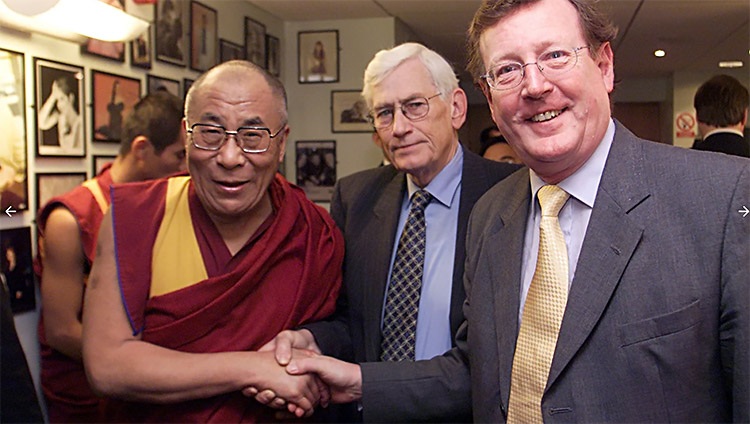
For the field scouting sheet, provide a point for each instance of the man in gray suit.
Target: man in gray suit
(417, 109)
(655, 327)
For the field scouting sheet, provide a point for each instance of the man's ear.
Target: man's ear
(140, 147)
(459, 108)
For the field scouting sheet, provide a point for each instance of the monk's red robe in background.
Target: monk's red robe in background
(183, 290)
(66, 389)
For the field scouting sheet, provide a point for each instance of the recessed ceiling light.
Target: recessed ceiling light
(660, 53)
(730, 64)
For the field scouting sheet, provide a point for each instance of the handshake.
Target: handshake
(311, 379)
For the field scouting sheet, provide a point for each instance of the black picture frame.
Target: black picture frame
(16, 268)
(349, 112)
(154, 83)
(140, 50)
(51, 184)
(204, 38)
(316, 168)
(273, 55)
(229, 50)
(186, 84)
(57, 135)
(112, 100)
(170, 28)
(255, 42)
(318, 56)
(98, 162)
(14, 161)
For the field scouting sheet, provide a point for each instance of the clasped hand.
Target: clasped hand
(336, 381)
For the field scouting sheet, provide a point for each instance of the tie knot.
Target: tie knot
(552, 198)
(420, 199)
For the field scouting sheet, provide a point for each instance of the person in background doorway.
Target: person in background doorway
(721, 106)
(494, 146)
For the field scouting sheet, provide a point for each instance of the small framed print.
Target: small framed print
(16, 268)
(59, 109)
(98, 162)
(349, 112)
(255, 42)
(155, 83)
(110, 50)
(273, 55)
(171, 18)
(113, 99)
(230, 51)
(316, 168)
(203, 36)
(14, 176)
(318, 56)
(186, 84)
(49, 185)
(140, 50)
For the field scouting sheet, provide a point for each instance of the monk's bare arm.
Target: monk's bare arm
(62, 282)
(121, 365)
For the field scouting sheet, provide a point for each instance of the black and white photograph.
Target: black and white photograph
(14, 191)
(230, 51)
(59, 109)
(255, 42)
(316, 168)
(318, 56)
(49, 185)
(203, 37)
(171, 18)
(349, 112)
(16, 268)
(154, 83)
(186, 83)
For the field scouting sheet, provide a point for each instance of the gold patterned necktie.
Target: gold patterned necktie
(402, 301)
(542, 313)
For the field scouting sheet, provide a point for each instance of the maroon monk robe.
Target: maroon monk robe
(288, 274)
(66, 389)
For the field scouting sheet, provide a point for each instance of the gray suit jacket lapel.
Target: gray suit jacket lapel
(611, 238)
(385, 215)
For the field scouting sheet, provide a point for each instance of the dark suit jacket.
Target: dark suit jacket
(366, 207)
(656, 324)
(725, 142)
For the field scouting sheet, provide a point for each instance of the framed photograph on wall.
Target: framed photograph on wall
(230, 51)
(203, 36)
(113, 97)
(140, 50)
(49, 185)
(14, 176)
(171, 20)
(59, 109)
(106, 49)
(273, 55)
(16, 266)
(186, 84)
(349, 112)
(255, 42)
(154, 83)
(318, 56)
(99, 161)
(316, 168)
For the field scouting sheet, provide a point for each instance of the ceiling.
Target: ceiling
(696, 34)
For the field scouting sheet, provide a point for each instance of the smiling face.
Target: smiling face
(230, 183)
(553, 124)
(421, 148)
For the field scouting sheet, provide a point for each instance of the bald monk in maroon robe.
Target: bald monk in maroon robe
(194, 273)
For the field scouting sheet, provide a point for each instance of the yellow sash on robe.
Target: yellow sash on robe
(177, 261)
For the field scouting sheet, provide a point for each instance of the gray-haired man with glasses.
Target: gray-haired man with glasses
(417, 108)
(210, 266)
